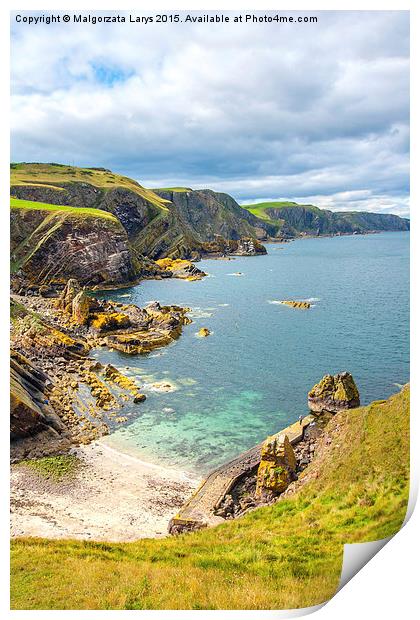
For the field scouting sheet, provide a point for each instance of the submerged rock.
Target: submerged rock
(277, 466)
(334, 393)
(302, 305)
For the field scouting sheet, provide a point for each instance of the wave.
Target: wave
(200, 313)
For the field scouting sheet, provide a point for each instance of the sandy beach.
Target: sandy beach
(113, 497)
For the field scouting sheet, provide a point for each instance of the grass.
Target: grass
(172, 189)
(55, 175)
(17, 203)
(55, 467)
(260, 209)
(284, 556)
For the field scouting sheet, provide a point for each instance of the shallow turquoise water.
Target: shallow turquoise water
(250, 378)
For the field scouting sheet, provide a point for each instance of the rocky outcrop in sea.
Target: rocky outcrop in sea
(334, 393)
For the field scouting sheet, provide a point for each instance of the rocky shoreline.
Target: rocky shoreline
(76, 399)
(272, 470)
(63, 402)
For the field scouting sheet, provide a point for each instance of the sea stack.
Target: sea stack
(333, 394)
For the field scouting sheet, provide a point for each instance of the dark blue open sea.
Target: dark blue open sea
(250, 378)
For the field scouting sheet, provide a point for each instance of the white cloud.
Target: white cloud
(259, 111)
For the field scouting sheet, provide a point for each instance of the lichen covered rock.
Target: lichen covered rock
(182, 269)
(277, 466)
(334, 393)
(110, 321)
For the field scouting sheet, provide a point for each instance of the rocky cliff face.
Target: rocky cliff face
(209, 213)
(108, 230)
(52, 247)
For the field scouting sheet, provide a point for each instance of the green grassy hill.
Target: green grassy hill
(172, 222)
(30, 205)
(57, 176)
(259, 209)
(285, 556)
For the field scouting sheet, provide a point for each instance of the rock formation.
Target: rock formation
(49, 247)
(277, 466)
(81, 308)
(30, 411)
(182, 269)
(334, 393)
(153, 327)
(293, 220)
(105, 229)
(209, 214)
(246, 246)
(68, 294)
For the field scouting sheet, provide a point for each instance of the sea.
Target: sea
(208, 399)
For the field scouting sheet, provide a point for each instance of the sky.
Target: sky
(316, 113)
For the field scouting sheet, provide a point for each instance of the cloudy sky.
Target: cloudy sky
(307, 112)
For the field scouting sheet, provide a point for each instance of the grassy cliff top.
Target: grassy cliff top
(287, 555)
(56, 175)
(259, 209)
(172, 189)
(16, 203)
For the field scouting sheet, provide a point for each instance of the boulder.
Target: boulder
(203, 332)
(333, 394)
(277, 466)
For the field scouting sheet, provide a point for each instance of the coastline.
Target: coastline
(113, 496)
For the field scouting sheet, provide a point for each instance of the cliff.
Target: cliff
(292, 219)
(51, 243)
(106, 229)
(209, 213)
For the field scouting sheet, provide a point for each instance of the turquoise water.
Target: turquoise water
(250, 378)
